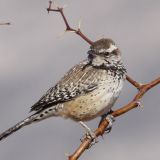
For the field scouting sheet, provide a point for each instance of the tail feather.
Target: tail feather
(18, 126)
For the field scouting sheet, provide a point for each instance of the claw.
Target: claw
(90, 135)
(110, 119)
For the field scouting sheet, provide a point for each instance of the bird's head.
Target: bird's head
(104, 52)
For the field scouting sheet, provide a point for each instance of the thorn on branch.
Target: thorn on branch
(139, 104)
(79, 24)
(68, 28)
(50, 3)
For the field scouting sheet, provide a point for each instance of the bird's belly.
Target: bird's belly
(96, 103)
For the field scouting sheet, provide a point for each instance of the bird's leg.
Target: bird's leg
(89, 133)
(110, 119)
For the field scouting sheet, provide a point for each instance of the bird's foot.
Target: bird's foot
(110, 119)
(89, 135)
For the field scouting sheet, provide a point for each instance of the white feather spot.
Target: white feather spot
(111, 48)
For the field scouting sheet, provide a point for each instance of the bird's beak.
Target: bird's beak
(91, 54)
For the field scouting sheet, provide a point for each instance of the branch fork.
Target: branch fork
(68, 27)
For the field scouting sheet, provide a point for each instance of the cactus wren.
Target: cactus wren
(88, 90)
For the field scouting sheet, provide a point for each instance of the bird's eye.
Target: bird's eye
(115, 52)
(106, 54)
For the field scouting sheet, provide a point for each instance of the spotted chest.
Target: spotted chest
(97, 102)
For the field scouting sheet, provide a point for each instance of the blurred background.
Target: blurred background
(33, 58)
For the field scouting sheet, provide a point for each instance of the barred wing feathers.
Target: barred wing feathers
(78, 81)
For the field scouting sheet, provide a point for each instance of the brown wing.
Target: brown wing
(79, 80)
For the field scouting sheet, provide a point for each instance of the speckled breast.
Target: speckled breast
(97, 102)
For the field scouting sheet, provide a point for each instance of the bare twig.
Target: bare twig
(133, 104)
(133, 82)
(5, 23)
(68, 28)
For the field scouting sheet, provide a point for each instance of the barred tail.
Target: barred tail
(18, 126)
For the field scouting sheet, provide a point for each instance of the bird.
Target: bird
(88, 90)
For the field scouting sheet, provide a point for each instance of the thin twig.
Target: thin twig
(68, 28)
(101, 129)
(5, 23)
(133, 82)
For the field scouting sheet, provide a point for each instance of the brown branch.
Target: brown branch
(133, 104)
(6, 23)
(68, 28)
(133, 82)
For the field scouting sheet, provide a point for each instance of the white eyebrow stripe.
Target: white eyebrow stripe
(102, 50)
(111, 49)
